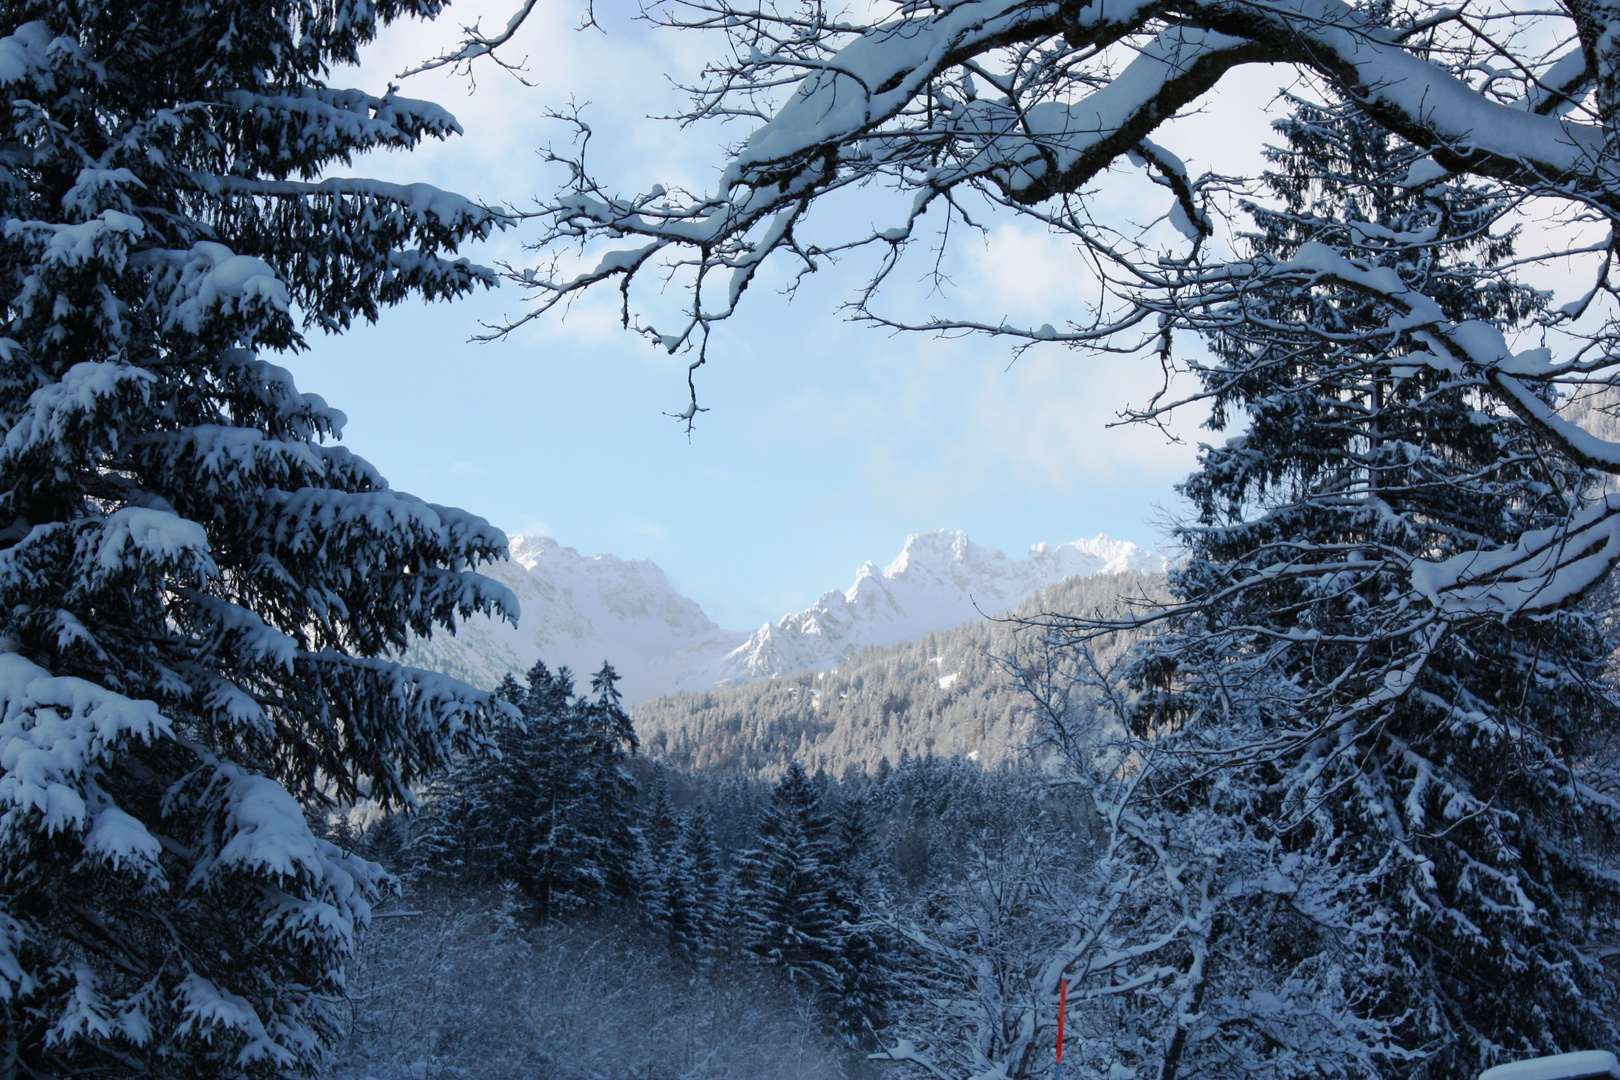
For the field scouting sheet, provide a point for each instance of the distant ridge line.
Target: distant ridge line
(580, 610)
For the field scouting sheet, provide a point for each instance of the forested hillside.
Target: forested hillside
(580, 609)
(948, 695)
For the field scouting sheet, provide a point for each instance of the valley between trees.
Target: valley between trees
(593, 905)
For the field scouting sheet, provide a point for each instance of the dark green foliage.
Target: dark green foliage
(470, 826)
(859, 995)
(680, 876)
(809, 895)
(790, 918)
(710, 881)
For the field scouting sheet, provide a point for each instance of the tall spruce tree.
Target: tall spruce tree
(790, 919)
(862, 990)
(608, 788)
(669, 888)
(547, 863)
(709, 878)
(1431, 771)
(655, 857)
(198, 586)
(471, 831)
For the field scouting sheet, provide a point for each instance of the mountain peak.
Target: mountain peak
(581, 609)
(938, 549)
(940, 579)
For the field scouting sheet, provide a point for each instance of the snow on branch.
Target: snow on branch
(1024, 102)
(475, 45)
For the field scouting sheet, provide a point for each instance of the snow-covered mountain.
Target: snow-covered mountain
(941, 579)
(579, 610)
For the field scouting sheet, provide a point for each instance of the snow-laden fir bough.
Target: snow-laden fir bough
(199, 588)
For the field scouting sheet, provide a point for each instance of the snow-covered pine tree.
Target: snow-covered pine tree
(198, 587)
(709, 878)
(549, 693)
(609, 788)
(570, 810)
(860, 995)
(468, 833)
(609, 724)
(788, 915)
(688, 922)
(1430, 770)
(678, 873)
(511, 691)
(482, 823)
(544, 859)
(884, 770)
(652, 870)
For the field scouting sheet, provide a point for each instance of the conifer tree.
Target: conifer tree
(198, 586)
(549, 694)
(546, 862)
(884, 770)
(654, 869)
(470, 831)
(789, 917)
(610, 724)
(686, 921)
(1417, 786)
(609, 788)
(710, 882)
(861, 992)
(560, 796)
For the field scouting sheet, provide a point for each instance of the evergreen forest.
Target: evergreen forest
(593, 911)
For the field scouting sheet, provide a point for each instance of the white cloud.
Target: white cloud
(935, 424)
(1026, 273)
(621, 79)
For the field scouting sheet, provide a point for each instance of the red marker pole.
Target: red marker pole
(1063, 1007)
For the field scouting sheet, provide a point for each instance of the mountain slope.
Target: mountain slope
(941, 579)
(944, 695)
(579, 610)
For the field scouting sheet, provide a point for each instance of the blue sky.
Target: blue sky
(826, 442)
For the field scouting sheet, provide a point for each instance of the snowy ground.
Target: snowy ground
(462, 990)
